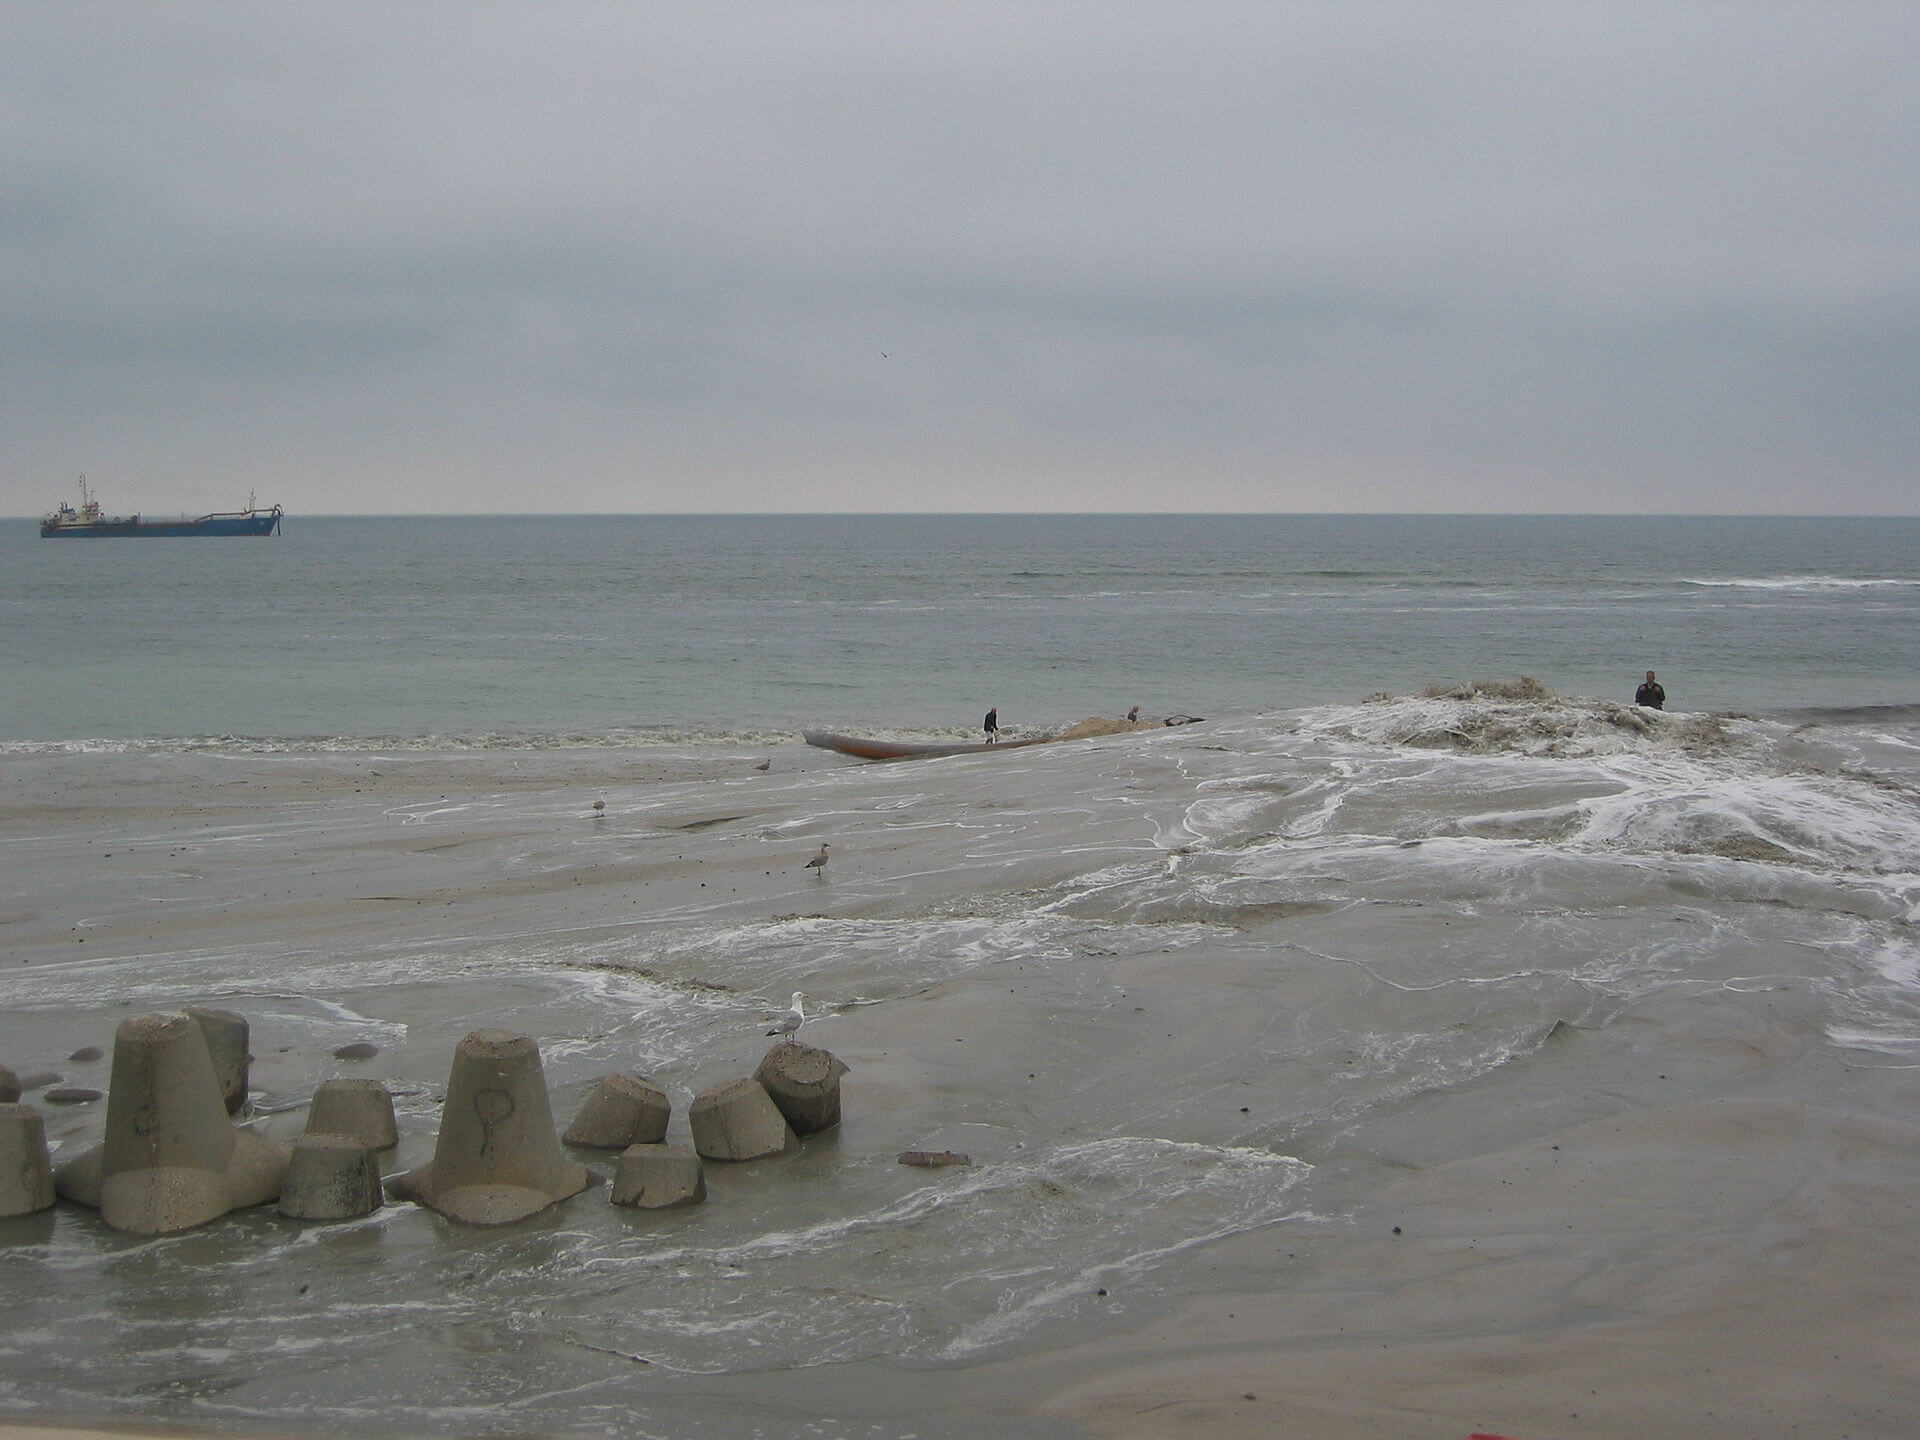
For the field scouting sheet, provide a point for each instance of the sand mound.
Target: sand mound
(1100, 725)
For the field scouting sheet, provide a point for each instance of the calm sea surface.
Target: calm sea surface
(457, 631)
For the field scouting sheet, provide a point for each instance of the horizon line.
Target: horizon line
(1061, 514)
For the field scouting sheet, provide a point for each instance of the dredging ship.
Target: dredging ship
(90, 520)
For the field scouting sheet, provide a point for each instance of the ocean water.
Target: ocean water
(1191, 993)
(640, 629)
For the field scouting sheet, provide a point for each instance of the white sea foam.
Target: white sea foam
(1802, 582)
(954, 1267)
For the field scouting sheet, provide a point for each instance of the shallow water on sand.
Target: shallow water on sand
(1166, 989)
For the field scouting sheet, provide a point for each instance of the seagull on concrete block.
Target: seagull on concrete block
(790, 1023)
(819, 862)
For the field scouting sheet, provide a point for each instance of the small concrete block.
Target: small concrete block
(360, 1108)
(9, 1086)
(227, 1039)
(331, 1177)
(738, 1121)
(804, 1082)
(622, 1110)
(658, 1177)
(26, 1173)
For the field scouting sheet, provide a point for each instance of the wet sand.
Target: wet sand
(1724, 1269)
(1696, 1219)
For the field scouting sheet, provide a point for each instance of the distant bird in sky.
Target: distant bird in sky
(819, 862)
(790, 1023)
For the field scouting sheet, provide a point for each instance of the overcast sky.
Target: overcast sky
(777, 257)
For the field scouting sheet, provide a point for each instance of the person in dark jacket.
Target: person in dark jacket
(992, 723)
(1652, 694)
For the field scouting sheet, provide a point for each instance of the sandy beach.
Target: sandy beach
(1649, 1189)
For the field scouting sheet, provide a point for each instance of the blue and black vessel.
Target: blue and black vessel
(89, 520)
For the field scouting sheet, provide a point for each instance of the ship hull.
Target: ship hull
(867, 749)
(254, 522)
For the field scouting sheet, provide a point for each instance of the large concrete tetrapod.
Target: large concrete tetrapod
(171, 1158)
(805, 1083)
(497, 1159)
(26, 1175)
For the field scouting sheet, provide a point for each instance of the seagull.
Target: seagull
(819, 862)
(598, 806)
(764, 765)
(790, 1022)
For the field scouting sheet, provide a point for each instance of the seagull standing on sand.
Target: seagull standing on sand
(819, 862)
(790, 1023)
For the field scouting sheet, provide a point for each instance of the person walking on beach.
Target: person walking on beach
(1653, 694)
(992, 724)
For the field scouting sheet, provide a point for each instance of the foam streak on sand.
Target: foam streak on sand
(1212, 1009)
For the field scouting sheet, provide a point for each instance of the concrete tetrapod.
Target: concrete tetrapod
(622, 1110)
(658, 1177)
(227, 1039)
(26, 1174)
(738, 1121)
(9, 1086)
(805, 1083)
(497, 1159)
(331, 1177)
(171, 1158)
(360, 1108)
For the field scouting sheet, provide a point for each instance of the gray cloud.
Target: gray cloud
(769, 257)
